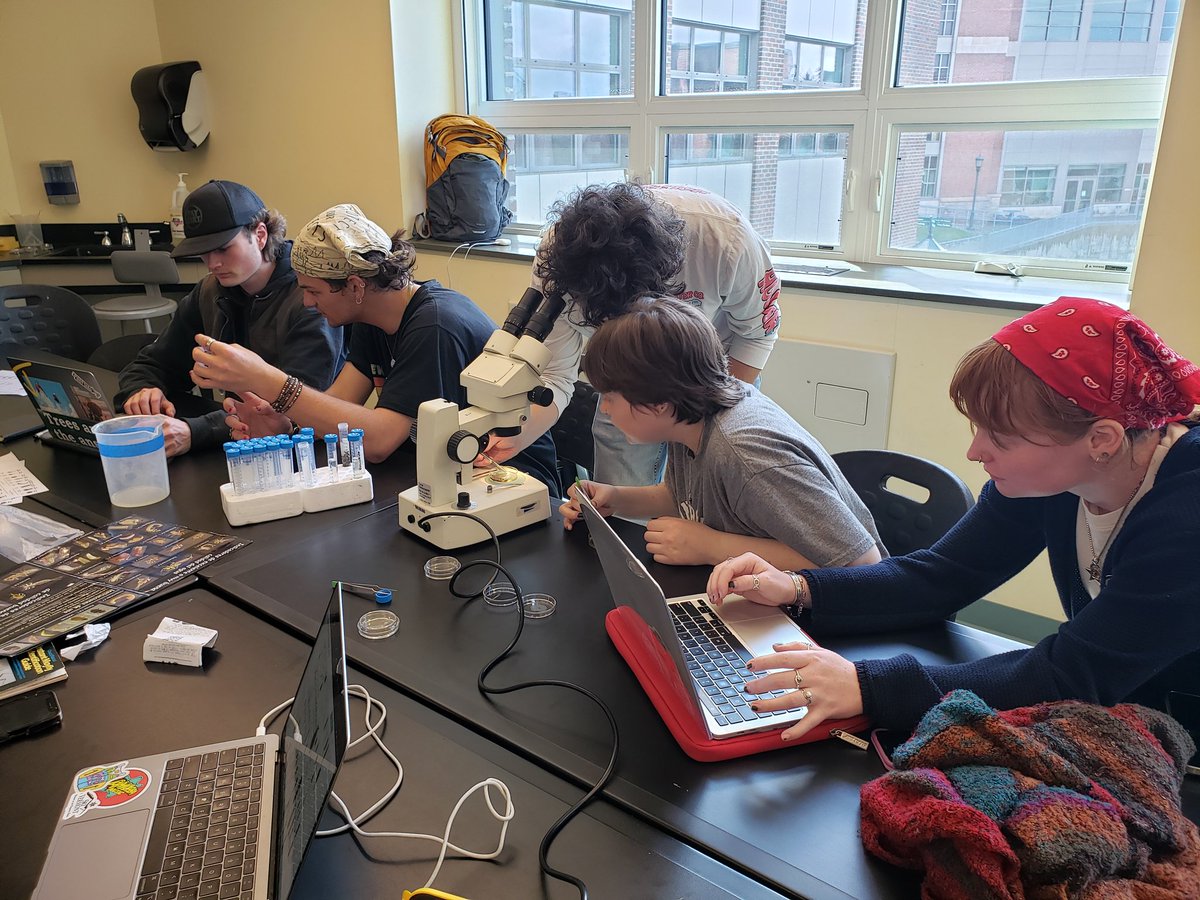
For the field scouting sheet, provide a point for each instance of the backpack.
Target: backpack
(465, 190)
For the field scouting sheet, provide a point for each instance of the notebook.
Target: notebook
(69, 400)
(709, 645)
(183, 824)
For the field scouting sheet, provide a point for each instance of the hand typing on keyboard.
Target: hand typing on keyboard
(820, 679)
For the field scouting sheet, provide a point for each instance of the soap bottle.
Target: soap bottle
(177, 197)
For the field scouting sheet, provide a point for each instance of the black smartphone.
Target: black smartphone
(885, 740)
(1185, 709)
(28, 714)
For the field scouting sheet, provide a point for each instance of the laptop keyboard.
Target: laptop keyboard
(717, 661)
(204, 840)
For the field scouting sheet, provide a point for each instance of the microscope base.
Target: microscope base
(505, 509)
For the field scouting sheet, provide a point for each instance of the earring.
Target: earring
(1102, 458)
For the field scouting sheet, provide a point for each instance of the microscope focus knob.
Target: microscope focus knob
(463, 447)
(541, 396)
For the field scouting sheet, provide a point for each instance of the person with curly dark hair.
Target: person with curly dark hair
(410, 341)
(610, 244)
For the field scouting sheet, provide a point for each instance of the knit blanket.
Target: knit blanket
(1058, 800)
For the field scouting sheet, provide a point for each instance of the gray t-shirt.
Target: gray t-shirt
(759, 473)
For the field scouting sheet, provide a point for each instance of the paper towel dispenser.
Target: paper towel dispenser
(172, 105)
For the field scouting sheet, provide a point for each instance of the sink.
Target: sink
(81, 251)
(84, 251)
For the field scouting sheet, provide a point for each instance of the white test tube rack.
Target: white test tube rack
(281, 503)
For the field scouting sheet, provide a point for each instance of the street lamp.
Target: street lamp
(975, 192)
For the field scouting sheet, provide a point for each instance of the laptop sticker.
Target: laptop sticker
(104, 787)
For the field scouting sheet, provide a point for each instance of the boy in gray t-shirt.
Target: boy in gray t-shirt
(742, 475)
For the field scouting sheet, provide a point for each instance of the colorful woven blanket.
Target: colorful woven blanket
(1059, 800)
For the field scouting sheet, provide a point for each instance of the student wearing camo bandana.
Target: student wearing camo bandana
(1085, 420)
(410, 340)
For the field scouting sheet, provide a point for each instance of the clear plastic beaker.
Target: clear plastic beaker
(29, 231)
(134, 455)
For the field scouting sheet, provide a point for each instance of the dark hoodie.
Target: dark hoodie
(274, 323)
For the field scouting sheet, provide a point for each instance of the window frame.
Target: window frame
(875, 114)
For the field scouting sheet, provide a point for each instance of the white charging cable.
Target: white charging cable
(471, 245)
(374, 730)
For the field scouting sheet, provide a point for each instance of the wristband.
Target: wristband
(288, 395)
(803, 598)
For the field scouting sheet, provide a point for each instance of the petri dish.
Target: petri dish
(499, 593)
(442, 568)
(378, 624)
(538, 606)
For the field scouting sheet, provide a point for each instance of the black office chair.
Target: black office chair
(49, 318)
(905, 524)
(119, 352)
(572, 435)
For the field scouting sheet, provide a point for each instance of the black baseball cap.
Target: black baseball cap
(214, 214)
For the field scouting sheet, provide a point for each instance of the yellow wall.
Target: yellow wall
(65, 67)
(9, 202)
(302, 101)
(1164, 282)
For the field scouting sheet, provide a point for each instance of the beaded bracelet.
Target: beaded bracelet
(289, 395)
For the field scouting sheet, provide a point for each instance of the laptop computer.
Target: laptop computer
(709, 645)
(69, 400)
(187, 820)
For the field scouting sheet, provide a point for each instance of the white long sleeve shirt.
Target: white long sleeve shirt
(726, 273)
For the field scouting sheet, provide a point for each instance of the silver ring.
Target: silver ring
(799, 680)
(808, 696)
(208, 346)
(754, 583)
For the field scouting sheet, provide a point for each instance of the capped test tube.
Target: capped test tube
(344, 444)
(305, 458)
(230, 461)
(234, 464)
(331, 456)
(358, 462)
(262, 472)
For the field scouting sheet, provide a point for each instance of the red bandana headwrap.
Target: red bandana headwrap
(1105, 360)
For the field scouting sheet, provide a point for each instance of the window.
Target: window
(1121, 20)
(1170, 21)
(941, 68)
(1025, 186)
(929, 176)
(704, 60)
(1013, 129)
(949, 16)
(548, 48)
(1051, 20)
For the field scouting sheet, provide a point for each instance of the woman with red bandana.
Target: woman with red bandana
(1085, 421)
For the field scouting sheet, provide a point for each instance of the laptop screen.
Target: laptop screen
(313, 741)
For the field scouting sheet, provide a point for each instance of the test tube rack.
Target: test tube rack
(322, 494)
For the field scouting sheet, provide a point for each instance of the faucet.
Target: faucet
(105, 241)
(126, 237)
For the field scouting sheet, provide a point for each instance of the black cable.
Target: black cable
(563, 820)
(420, 523)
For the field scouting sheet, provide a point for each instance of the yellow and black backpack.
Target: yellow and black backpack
(465, 189)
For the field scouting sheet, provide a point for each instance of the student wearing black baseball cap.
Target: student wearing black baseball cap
(250, 297)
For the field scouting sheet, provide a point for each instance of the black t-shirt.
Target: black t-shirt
(441, 332)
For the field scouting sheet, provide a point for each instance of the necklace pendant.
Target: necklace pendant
(1094, 569)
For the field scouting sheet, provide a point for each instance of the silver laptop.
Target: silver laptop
(232, 819)
(709, 645)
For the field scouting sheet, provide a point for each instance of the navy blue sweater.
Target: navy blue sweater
(1137, 640)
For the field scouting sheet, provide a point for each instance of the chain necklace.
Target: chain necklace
(1094, 567)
